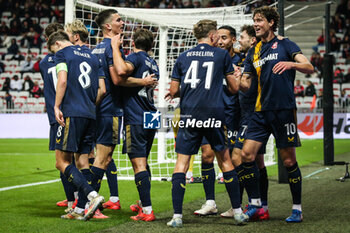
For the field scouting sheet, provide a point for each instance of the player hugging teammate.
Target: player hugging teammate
(95, 90)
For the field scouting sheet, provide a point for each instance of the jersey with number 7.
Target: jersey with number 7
(82, 81)
(201, 71)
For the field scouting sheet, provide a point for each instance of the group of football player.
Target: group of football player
(247, 91)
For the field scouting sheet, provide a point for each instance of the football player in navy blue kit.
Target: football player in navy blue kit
(75, 110)
(48, 73)
(227, 38)
(109, 112)
(247, 104)
(273, 63)
(137, 100)
(78, 36)
(200, 72)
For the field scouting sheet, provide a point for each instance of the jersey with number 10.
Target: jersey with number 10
(201, 71)
(82, 81)
(48, 73)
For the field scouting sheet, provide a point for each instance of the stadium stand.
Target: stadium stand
(46, 12)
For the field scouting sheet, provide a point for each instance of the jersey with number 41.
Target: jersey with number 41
(201, 71)
(48, 73)
(82, 81)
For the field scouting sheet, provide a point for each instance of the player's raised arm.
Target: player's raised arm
(123, 68)
(302, 64)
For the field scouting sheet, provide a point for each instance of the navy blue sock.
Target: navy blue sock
(250, 179)
(91, 162)
(232, 188)
(68, 187)
(149, 173)
(178, 191)
(83, 198)
(208, 179)
(97, 176)
(294, 178)
(112, 179)
(264, 185)
(239, 169)
(73, 175)
(143, 185)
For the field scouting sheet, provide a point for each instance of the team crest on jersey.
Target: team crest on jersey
(274, 46)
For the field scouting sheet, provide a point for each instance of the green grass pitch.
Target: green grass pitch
(33, 209)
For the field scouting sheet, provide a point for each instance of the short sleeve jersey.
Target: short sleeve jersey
(137, 100)
(200, 72)
(111, 104)
(82, 81)
(48, 73)
(274, 91)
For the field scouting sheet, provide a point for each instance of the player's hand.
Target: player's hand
(117, 41)
(238, 72)
(168, 97)
(59, 116)
(282, 66)
(150, 81)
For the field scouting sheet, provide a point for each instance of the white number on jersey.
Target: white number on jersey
(192, 74)
(53, 73)
(144, 92)
(291, 128)
(84, 78)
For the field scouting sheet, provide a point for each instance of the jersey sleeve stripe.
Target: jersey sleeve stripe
(296, 53)
(256, 58)
(175, 79)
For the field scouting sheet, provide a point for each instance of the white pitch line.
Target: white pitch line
(56, 180)
(28, 185)
(316, 172)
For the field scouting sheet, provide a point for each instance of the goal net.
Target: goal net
(172, 29)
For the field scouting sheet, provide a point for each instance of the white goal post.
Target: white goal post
(173, 35)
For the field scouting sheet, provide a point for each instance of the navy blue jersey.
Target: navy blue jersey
(274, 91)
(111, 104)
(201, 71)
(48, 73)
(138, 100)
(247, 99)
(82, 81)
(231, 101)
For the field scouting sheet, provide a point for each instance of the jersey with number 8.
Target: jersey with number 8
(82, 81)
(201, 71)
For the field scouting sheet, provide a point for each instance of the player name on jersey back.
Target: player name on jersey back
(200, 54)
(81, 54)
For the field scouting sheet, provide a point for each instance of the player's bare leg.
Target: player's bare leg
(208, 179)
(295, 182)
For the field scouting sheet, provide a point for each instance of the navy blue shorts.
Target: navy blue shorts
(77, 136)
(52, 139)
(282, 124)
(231, 136)
(138, 141)
(189, 140)
(108, 130)
(242, 133)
